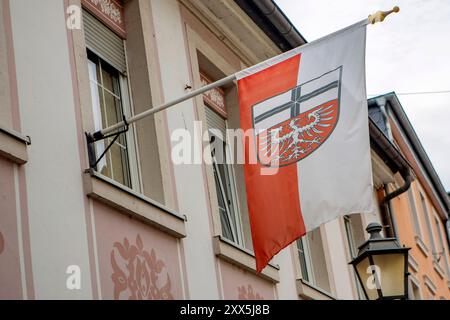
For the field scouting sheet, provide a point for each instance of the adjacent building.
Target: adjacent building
(419, 216)
(134, 225)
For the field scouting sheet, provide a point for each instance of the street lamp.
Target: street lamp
(382, 266)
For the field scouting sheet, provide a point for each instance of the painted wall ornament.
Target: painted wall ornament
(247, 293)
(137, 273)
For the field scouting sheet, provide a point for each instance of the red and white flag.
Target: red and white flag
(309, 113)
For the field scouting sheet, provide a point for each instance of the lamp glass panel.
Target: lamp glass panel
(368, 279)
(392, 273)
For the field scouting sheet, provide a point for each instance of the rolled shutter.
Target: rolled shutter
(104, 42)
(214, 121)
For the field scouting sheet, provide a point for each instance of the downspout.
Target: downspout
(407, 176)
(395, 156)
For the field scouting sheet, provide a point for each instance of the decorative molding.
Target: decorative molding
(13, 146)
(310, 292)
(438, 269)
(429, 283)
(243, 258)
(226, 32)
(137, 273)
(133, 204)
(214, 98)
(422, 246)
(414, 280)
(413, 263)
(108, 11)
(248, 293)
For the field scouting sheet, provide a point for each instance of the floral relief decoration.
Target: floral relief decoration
(137, 273)
(110, 9)
(247, 293)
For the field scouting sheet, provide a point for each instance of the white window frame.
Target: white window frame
(236, 223)
(443, 253)
(427, 216)
(414, 213)
(130, 135)
(413, 281)
(308, 261)
(353, 252)
(311, 274)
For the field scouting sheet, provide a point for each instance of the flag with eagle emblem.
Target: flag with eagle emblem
(308, 112)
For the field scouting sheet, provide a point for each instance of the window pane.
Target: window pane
(110, 79)
(225, 191)
(107, 110)
(415, 217)
(225, 221)
(427, 221)
(302, 258)
(112, 108)
(318, 260)
(117, 163)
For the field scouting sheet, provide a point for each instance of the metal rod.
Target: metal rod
(100, 134)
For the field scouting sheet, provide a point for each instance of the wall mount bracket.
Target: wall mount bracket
(91, 139)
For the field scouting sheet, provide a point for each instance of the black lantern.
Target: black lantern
(382, 266)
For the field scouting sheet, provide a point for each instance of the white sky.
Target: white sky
(408, 52)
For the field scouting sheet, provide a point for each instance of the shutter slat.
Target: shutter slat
(104, 42)
(214, 121)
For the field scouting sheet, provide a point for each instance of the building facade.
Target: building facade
(135, 224)
(420, 214)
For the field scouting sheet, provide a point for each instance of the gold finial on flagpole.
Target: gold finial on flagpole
(379, 16)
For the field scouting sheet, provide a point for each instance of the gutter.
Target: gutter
(273, 22)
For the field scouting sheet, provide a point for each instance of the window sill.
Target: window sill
(310, 292)
(243, 258)
(422, 246)
(438, 269)
(429, 284)
(134, 204)
(13, 146)
(413, 263)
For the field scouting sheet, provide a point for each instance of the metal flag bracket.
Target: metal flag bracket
(97, 136)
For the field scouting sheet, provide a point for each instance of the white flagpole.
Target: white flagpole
(379, 16)
(100, 134)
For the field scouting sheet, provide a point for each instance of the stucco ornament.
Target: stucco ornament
(109, 8)
(247, 293)
(138, 274)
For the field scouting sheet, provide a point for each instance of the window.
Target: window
(107, 110)
(414, 291)
(441, 256)
(414, 215)
(427, 218)
(224, 178)
(110, 101)
(312, 260)
(355, 238)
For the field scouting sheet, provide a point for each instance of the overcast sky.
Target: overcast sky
(408, 52)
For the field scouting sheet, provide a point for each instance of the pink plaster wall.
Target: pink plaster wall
(10, 282)
(243, 285)
(136, 261)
